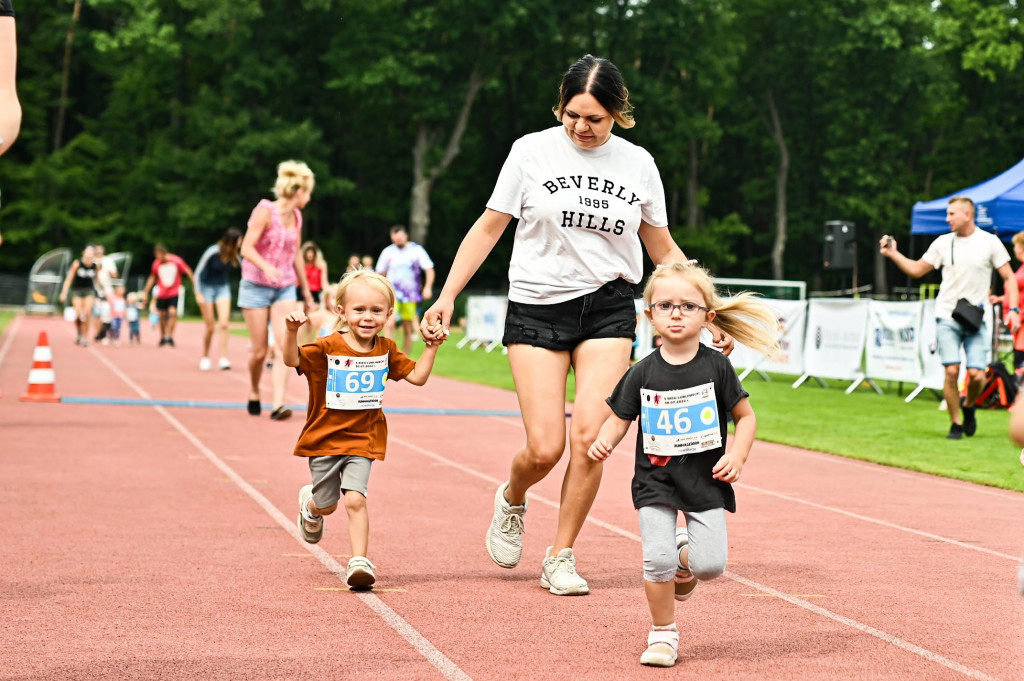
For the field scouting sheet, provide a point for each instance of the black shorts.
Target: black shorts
(167, 303)
(315, 295)
(608, 312)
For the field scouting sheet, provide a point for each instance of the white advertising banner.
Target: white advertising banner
(834, 342)
(792, 316)
(933, 374)
(893, 346)
(485, 320)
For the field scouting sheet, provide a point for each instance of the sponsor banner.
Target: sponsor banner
(834, 342)
(792, 316)
(485, 318)
(893, 345)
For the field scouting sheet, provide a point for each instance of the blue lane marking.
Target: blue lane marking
(198, 404)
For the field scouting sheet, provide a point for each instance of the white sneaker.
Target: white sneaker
(223, 363)
(685, 581)
(505, 535)
(204, 364)
(359, 574)
(558, 575)
(662, 648)
(312, 529)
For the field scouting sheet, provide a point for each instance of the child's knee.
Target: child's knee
(659, 565)
(354, 502)
(707, 567)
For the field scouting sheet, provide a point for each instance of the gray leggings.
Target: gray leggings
(709, 543)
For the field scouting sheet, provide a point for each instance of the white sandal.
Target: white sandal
(662, 646)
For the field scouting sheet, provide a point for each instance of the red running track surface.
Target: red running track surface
(146, 542)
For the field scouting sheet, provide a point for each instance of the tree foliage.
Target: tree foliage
(178, 111)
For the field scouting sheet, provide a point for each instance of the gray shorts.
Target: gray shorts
(334, 474)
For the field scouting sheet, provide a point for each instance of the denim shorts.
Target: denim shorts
(608, 312)
(333, 475)
(257, 296)
(950, 336)
(214, 292)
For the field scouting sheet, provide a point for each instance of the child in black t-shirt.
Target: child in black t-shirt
(683, 392)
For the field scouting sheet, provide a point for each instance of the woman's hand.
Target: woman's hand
(272, 273)
(434, 327)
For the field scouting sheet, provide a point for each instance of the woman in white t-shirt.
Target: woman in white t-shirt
(585, 200)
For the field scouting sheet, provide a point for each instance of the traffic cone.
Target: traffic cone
(41, 386)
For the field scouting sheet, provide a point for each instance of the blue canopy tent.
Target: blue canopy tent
(999, 202)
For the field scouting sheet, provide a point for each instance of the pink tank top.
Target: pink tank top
(278, 246)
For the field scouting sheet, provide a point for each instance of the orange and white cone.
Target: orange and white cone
(41, 385)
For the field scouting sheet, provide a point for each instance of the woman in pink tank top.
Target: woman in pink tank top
(271, 270)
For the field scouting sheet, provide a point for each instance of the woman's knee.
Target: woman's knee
(542, 456)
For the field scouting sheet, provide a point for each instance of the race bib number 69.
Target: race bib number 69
(678, 422)
(356, 382)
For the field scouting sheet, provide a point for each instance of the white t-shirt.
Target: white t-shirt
(579, 212)
(966, 263)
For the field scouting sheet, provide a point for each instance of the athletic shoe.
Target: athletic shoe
(970, 423)
(558, 575)
(254, 407)
(685, 581)
(359, 574)
(662, 648)
(204, 364)
(280, 414)
(223, 363)
(956, 431)
(505, 535)
(312, 529)
(170, 341)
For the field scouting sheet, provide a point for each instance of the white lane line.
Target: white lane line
(799, 602)
(11, 331)
(876, 521)
(434, 656)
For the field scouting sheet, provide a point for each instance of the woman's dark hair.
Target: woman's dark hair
(229, 246)
(601, 79)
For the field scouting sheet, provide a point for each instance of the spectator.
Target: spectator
(212, 277)
(167, 269)
(966, 255)
(402, 263)
(271, 269)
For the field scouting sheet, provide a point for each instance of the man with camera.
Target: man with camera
(966, 256)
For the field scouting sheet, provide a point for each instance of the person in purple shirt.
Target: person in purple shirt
(402, 263)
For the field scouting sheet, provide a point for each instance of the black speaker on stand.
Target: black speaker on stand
(840, 251)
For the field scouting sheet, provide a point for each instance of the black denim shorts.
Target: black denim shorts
(608, 312)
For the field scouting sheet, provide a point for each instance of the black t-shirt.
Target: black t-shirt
(685, 482)
(6, 8)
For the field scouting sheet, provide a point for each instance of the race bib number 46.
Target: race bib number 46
(678, 422)
(356, 382)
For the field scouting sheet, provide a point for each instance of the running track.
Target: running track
(153, 542)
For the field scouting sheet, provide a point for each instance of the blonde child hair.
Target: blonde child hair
(743, 316)
(374, 279)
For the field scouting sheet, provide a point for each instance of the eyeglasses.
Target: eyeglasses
(665, 308)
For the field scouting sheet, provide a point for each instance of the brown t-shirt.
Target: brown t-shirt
(339, 431)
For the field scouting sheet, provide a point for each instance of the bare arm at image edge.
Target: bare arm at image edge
(10, 107)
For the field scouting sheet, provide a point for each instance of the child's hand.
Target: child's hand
(728, 468)
(600, 450)
(295, 319)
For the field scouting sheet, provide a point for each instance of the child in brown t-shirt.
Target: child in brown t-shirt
(345, 429)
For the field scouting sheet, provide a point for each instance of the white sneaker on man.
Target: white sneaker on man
(505, 535)
(558, 575)
(204, 364)
(223, 363)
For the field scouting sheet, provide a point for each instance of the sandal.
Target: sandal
(662, 648)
